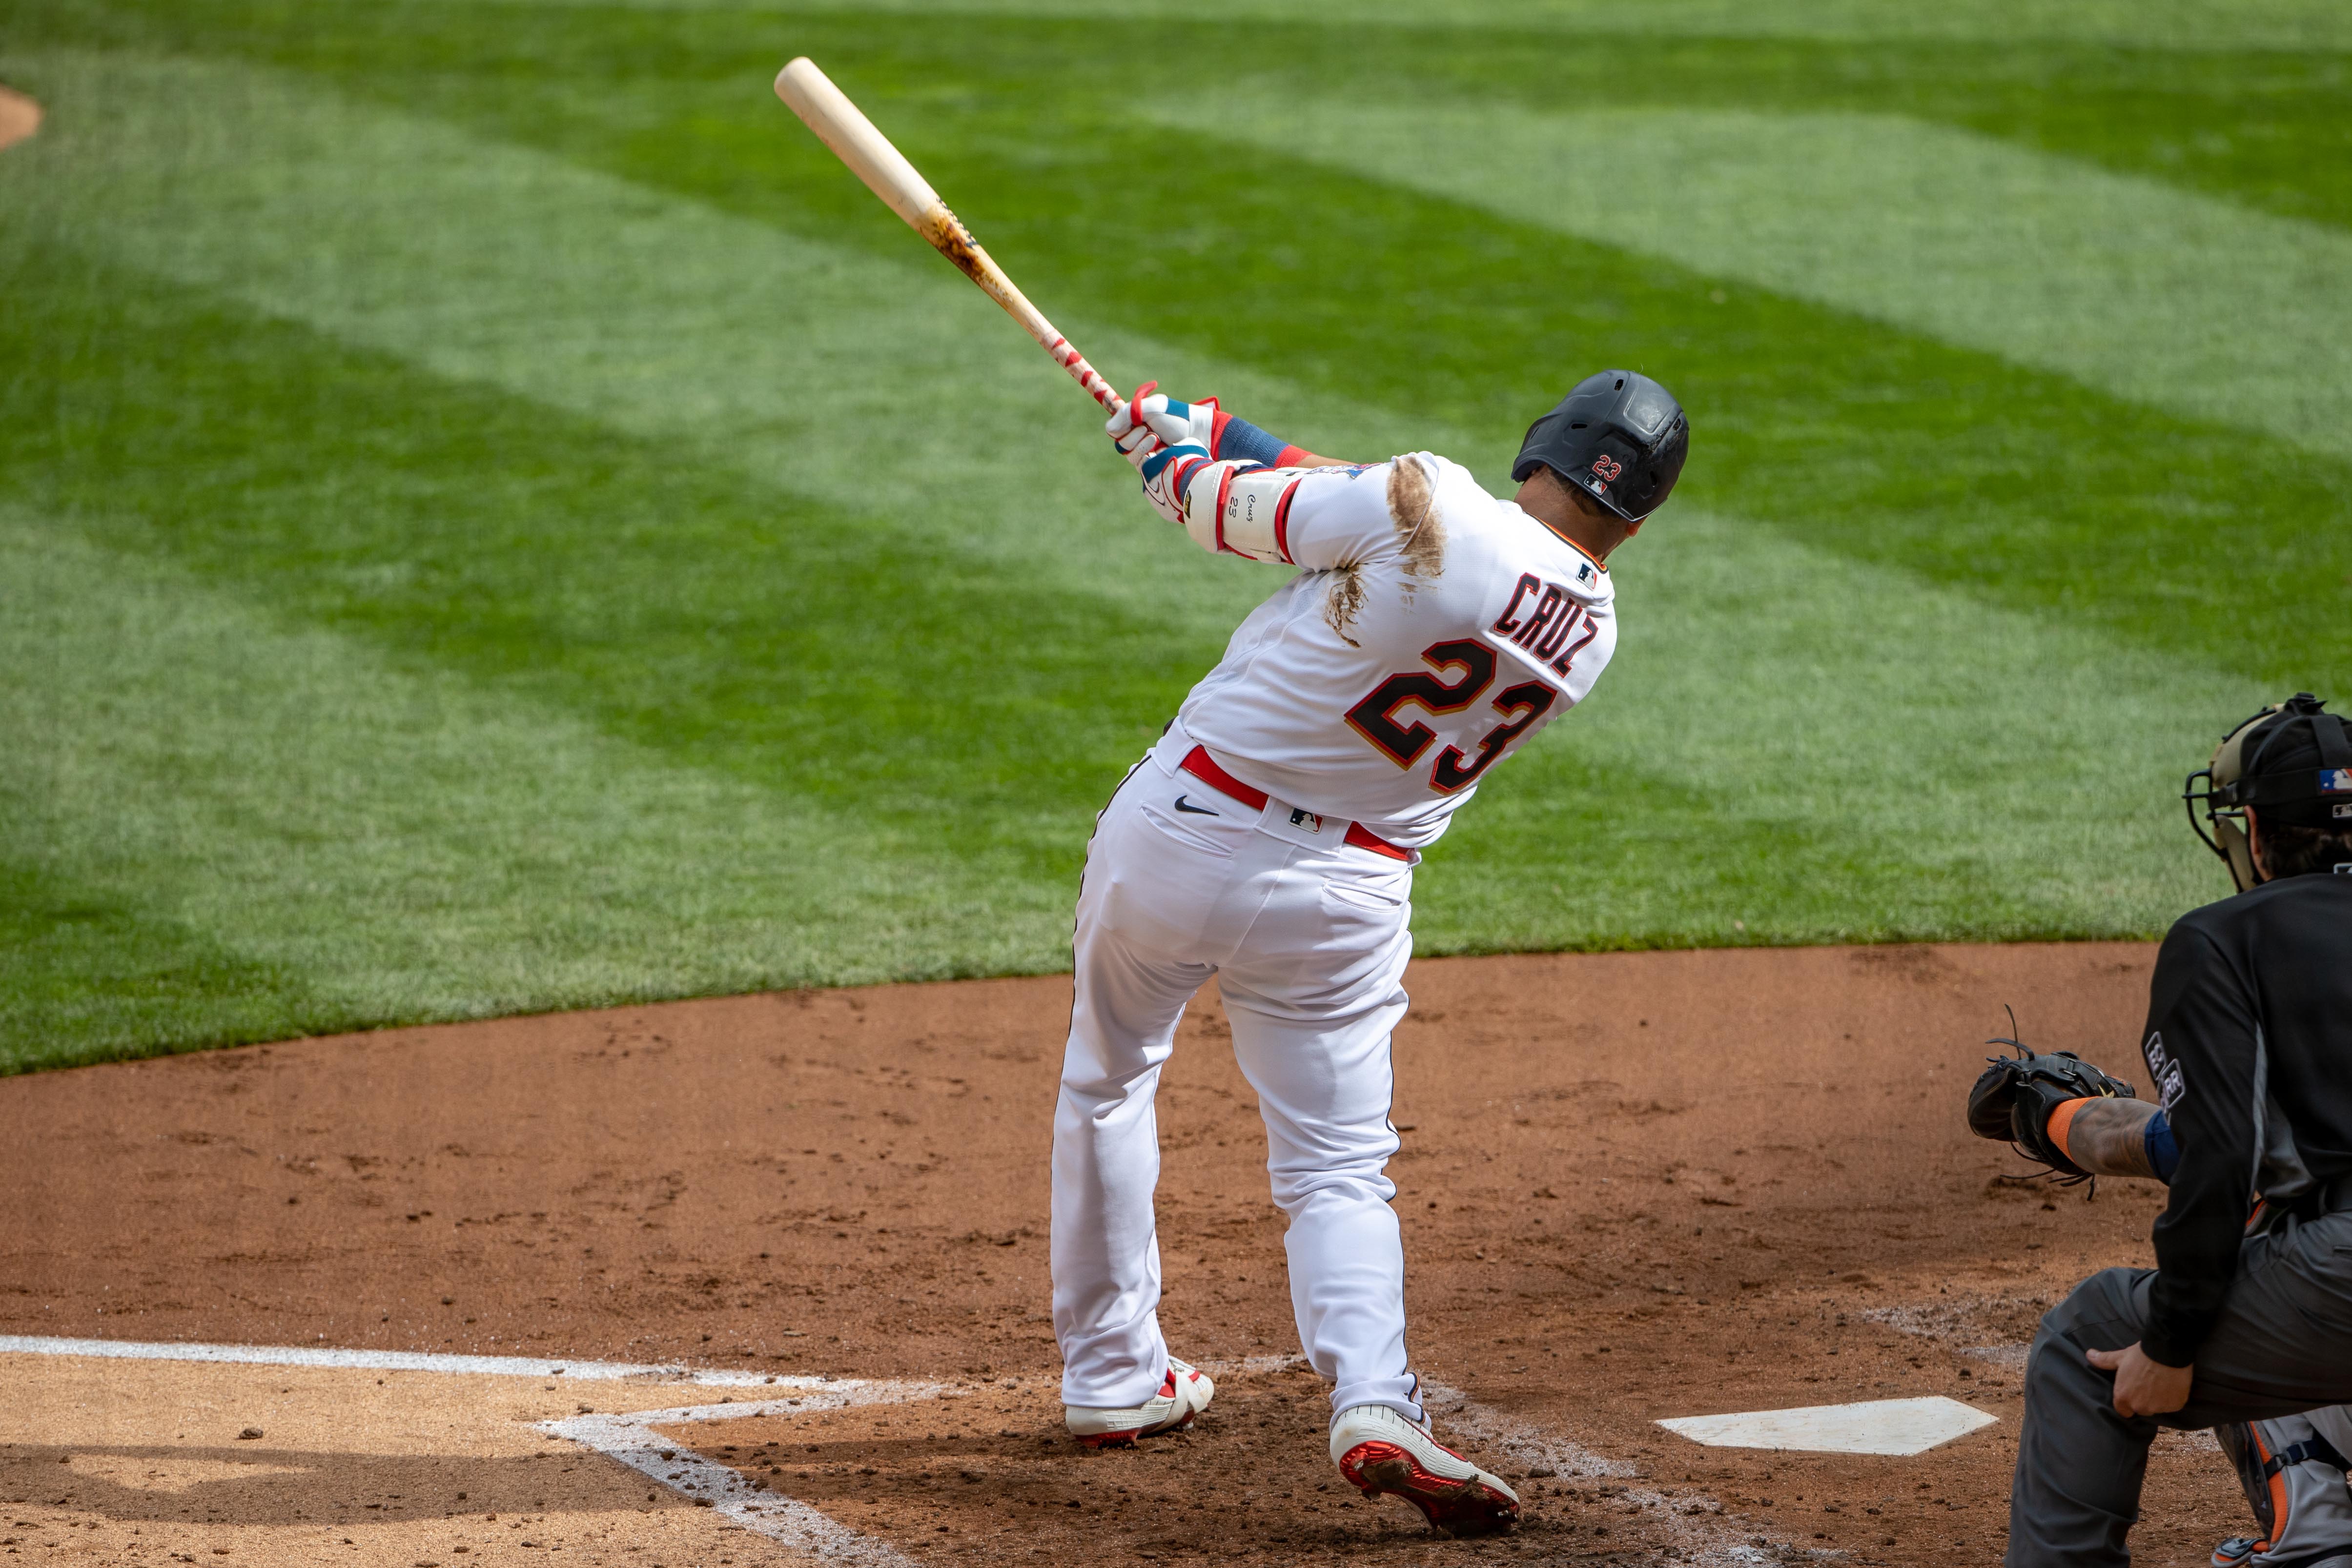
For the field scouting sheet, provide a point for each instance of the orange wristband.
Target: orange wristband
(2061, 1120)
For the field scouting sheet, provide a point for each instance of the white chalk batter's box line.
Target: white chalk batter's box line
(631, 1440)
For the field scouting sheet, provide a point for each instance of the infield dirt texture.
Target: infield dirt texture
(1629, 1190)
(495, 521)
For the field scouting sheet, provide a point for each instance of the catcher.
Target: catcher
(2245, 1324)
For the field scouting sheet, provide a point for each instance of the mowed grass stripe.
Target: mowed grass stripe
(2257, 127)
(2213, 311)
(2187, 25)
(89, 977)
(344, 840)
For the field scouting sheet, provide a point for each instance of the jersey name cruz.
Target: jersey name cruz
(1545, 623)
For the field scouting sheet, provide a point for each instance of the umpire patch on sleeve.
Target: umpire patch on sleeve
(2163, 1071)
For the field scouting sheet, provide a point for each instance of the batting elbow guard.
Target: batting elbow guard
(1238, 508)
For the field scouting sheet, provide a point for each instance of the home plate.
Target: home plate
(1873, 1427)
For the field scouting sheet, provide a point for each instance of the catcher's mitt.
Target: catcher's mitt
(2014, 1095)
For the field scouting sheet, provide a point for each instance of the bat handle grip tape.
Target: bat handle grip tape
(1085, 374)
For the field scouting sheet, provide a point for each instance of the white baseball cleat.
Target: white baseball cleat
(1183, 1393)
(1379, 1449)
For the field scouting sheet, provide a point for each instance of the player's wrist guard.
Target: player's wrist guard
(1166, 473)
(1238, 507)
(1236, 437)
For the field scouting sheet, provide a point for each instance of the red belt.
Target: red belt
(1204, 766)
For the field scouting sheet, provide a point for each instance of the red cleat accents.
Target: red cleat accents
(1452, 1507)
(1112, 1439)
(1184, 1392)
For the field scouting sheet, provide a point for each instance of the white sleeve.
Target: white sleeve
(1312, 518)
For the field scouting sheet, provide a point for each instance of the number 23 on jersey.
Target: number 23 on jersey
(1545, 631)
(1375, 716)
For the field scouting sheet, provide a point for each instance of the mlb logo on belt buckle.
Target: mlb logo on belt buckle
(1300, 816)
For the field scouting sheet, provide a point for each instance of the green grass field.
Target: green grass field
(493, 517)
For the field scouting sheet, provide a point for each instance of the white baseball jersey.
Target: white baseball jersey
(1433, 630)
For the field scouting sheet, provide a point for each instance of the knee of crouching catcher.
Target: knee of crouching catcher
(2103, 1312)
(2097, 1314)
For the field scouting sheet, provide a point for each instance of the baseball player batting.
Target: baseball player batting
(1268, 840)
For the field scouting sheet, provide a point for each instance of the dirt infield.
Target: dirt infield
(1628, 1192)
(109, 1461)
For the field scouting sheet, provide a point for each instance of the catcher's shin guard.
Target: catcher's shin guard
(2294, 1480)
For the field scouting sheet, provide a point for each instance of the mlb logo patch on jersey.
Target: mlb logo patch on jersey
(1584, 574)
(2336, 780)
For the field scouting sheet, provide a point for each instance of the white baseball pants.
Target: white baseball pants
(1307, 938)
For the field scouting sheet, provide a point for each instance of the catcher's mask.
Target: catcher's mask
(2292, 761)
(1618, 436)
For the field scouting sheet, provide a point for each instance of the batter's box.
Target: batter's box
(313, 1452)
(902, 1473)
(734, 1492)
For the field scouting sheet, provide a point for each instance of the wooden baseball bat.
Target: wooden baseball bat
(837, 122)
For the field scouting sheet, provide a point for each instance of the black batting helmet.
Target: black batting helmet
(1619, 437)
(2292, 761)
